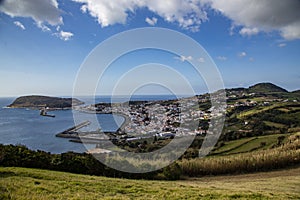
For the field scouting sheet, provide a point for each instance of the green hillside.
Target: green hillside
(20, 183)
(266, 88)
(249, 144)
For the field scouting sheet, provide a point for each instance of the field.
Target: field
(248, 144)
(21, 183)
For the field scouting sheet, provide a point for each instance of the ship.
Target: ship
(43, 112)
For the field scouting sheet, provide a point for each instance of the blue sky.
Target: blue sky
(43, 44)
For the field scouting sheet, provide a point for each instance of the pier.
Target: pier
(73, 131)
(91, 137)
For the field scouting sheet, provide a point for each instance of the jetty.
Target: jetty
(73, 131)
(95, 136)
(91, 137)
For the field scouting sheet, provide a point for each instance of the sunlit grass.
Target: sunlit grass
(228, 146)
(20, 183)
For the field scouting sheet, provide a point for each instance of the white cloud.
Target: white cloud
(44, 27)
(152, 21)
(41, 12)
(251, 59)
(282, 45)
(222, 58)
(20, 25)
(292, 31)
(249, 31)
(188, 14)
(184, 58)
(231, 29)
(201, 60)
(242, 54)
(262, 15)
(64, 35)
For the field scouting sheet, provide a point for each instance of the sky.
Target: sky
(44, 43)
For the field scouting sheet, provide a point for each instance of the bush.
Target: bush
(172, 172)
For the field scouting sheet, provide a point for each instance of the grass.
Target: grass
(257, 110)
(273, 124)
(229, 146)
(20, 183)
(285, 107)
(289, 109)
(285, 155)
(248, 144)
(255, 143)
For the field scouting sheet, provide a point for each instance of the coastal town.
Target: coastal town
(162, 119)
(166, 119)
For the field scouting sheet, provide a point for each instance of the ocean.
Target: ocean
(27, 127)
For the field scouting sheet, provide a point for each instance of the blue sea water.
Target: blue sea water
(27, 127)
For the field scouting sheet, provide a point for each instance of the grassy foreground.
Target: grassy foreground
(21, 183)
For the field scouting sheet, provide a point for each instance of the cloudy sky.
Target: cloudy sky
(44, 42)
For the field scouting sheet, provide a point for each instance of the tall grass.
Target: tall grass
(286, 155)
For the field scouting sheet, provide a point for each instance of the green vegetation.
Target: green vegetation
(44, 101)
(227, 147)
(285, 154)
(248, 144)
(82, 163)
(274, 124)
(261, 133)
(266, 88)
(20, 183)
(276, 152)
(257, 110)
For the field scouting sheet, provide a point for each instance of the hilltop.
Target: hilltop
(36, 101)
(266, 88)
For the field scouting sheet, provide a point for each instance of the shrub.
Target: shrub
(172, 172)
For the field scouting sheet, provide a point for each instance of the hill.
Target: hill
(36, 101)
(296, 92)
(266, 88)
(20, 183)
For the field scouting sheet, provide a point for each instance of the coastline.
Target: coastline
(37, 108)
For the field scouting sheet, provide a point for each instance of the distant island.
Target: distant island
(37, 102)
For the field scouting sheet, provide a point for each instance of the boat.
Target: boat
(43, 112)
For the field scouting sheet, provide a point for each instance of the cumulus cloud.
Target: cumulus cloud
(64, 35)
(20, 25)
(262, 15)
(188, 14)
(222, 58)
(242, 54)
(40, 11)
(184, 58)
(152, 21)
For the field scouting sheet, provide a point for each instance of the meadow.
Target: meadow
(21, 183)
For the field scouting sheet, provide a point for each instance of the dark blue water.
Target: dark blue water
(27, 127)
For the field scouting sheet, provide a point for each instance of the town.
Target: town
(187, 116)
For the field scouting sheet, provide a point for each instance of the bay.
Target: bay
(27, 127)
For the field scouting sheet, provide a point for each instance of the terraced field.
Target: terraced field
(248, 144)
